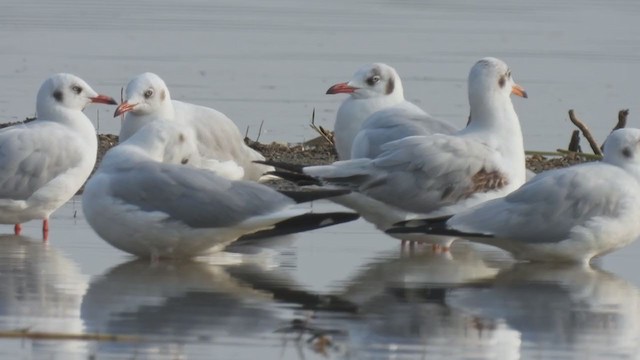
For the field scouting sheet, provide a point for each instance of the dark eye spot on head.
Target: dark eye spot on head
(502, 81)
(626, 152)
(391, 84)
(163, 95)
(184, 161)
(58, 95)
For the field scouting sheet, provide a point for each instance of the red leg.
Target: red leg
(17, 229)
(45, 229)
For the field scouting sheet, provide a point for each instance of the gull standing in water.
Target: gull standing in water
(44, 162)
(443, 174)
(571, 214)
(219, 141)
(149, 208)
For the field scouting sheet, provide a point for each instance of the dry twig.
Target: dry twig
(585, 132)
(574, 143)
(320, 130)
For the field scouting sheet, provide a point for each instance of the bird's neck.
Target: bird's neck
(494, 122)
(74, 119)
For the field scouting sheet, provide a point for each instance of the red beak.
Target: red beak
(341, 88)
(103, 99)
(123, 108)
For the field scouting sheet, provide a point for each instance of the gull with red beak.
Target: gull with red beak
(373, 87)
(43, 163)
(437, 175)
(219, 141)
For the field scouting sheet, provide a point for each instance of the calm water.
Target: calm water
(272, 61)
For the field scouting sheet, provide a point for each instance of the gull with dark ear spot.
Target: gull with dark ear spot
(437, 175)
(571, 214)
(43, 163)
(219, 141)
(373, 88)
(174, 210)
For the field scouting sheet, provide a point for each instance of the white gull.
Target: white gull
(219, 140)
(44, 162)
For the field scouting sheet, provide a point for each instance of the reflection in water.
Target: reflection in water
(40, 291)
(173, 304)
(404, 309)
(581, 311)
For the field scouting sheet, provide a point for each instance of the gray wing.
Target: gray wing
(550, 205)
(420, 173)
(394, 124)
(198, 198)
(33, 154)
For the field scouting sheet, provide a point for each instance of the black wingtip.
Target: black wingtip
(294, 168)
(301, 223)
(296, 178)
(436, 226)
(311, 195)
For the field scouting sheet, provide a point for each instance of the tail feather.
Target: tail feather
(301, 223)
(435, 226)
(311, 195)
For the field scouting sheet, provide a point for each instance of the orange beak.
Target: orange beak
(518, 90)
(123, 108)
(103, 99)
(342, 88)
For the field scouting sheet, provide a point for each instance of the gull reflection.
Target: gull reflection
(575, 310)
(403, 309)
(193, 303)
(40, 292)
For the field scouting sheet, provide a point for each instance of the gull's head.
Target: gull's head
(492, 77)
(370, 81)
(146, 94)
(622, 147)
(69, 92)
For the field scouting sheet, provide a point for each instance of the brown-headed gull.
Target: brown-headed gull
(570, 214)
(442, 174)
(372, 88)
(174, 210)
(219, 140)
(43, 163)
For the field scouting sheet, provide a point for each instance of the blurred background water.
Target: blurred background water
(343, 292)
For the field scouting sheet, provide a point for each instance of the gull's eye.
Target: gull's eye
(148, 93)
(509, 74)
(373, 80)
(76, 89)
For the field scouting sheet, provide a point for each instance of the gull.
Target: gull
(43, 163)
(571, 214)
(219, 141)
(168, 210)
(441, 174)
(373, 87)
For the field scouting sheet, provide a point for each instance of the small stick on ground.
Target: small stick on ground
(574, 143)
(320, 130)
(622, 119)
(260, 131)
(585, 132)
